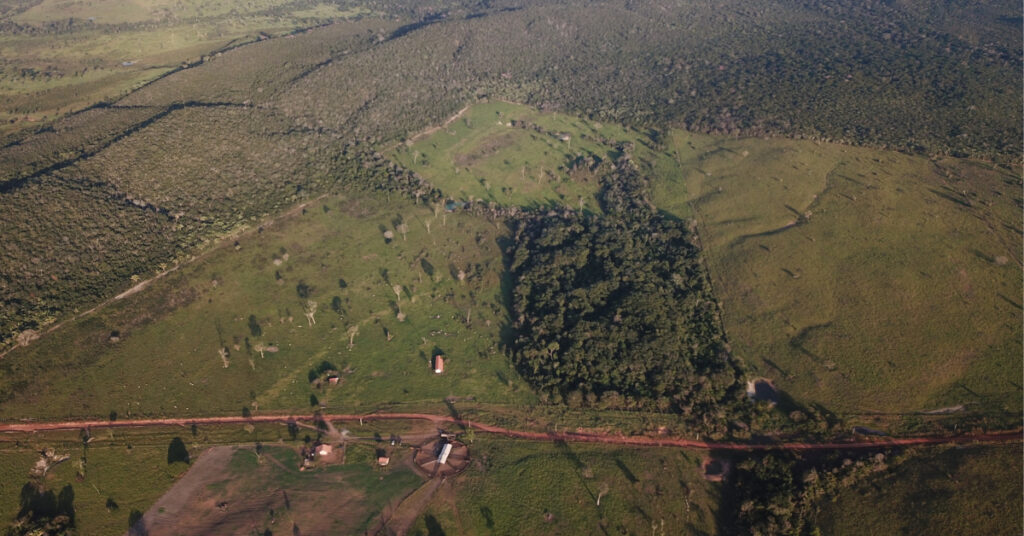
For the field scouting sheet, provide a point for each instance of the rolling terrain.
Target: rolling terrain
(825, 195)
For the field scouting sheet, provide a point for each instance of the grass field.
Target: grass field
(480, 155)
(533, 488)
(116, 47)
(128, 467)
(968, 491)
(190, 344)
(861, 280)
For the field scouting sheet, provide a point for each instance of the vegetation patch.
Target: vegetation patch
(972, 490)
(617, 307)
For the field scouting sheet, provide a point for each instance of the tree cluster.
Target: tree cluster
(616, 308)
(778, 494)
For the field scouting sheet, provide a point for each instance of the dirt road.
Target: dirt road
(1007, 436)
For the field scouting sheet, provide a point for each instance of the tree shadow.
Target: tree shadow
(433, 527)
(43, 507)
(177, 451)
(137, 524)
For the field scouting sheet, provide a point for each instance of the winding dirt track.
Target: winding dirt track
(644, 441)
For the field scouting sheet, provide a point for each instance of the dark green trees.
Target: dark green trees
(617, 307)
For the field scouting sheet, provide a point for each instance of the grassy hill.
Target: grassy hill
(865, 281)
(381, 81)
(265, 183)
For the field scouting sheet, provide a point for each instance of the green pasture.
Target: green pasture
(191, 343)
(862, 280)
(970, 491)
(515, 487)
(480, 155)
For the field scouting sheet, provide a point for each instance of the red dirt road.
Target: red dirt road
(644, 441)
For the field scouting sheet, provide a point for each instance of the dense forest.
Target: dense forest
(616, 308)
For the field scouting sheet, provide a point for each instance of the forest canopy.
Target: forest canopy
(617, 308)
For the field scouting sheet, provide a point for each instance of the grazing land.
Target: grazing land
(606, 217)
(354, 285)
(110, 476)
(515, 155)
(557, 487)
(860, 280)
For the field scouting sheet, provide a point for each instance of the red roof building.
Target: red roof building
(438, 364)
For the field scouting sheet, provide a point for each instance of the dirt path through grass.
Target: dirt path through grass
(1002, 436)
(163, 515)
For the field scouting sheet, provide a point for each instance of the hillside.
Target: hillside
(373, 79)
(604, 216)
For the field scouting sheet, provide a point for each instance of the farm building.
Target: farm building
(324, 450)
(383, 461)
(438, 364)
(446, 450)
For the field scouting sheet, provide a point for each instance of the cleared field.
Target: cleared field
(242, 491)
(116, 474)
(863, 281)
(120, 474)
(372, 288)
(533, 488)
(512, 154)
(969, 491)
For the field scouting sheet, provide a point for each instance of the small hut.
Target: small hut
(438, 364)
